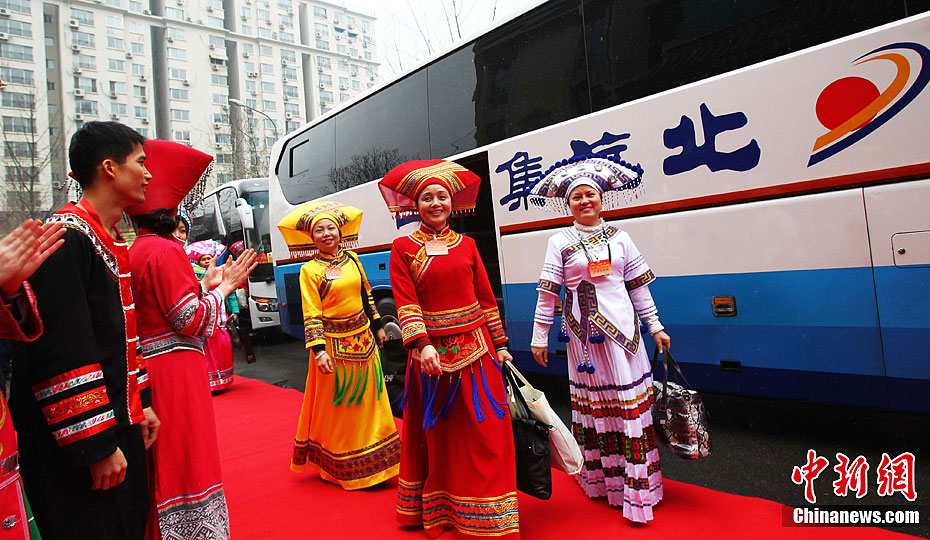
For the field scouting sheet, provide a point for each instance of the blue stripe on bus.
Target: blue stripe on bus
(814, 324)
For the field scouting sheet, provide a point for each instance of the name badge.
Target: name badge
(333, 272)
(599, 268)
(436, 247)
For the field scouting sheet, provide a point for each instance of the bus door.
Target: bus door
(205, 222)
(480, 226)
(899, 234)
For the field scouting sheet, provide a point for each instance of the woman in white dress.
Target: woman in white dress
(606, 300)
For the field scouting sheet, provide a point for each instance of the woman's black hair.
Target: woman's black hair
(159, 220)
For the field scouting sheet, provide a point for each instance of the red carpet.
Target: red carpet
(255, 425)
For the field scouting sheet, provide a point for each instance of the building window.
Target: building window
(265, 50)
(177, 54)
(248, 48)
(114, 21)
(267, 68)
(326, 78)
(245, 12)
(321, 29)
(179, 93)
(269, 105)
(292, 108)
(267, 87)
(326, 95)
(83, 39)
(116, 43)
(143, 131)
(323, 62)
(138, 70)
(220, 99)
(290, 56)
(176, 33)
(249, 66)
(116, 65)
(214, 22)
(136, 28)
(290, 91)
(265, 32)
(250, 86)
(84, 61)
(286, 37)
(290, 73)
(15, 124)
(323, 45)
(117, 87)
(319, 12)
(118, 108)
(177, 74)
(263, 14)
(137, 48)
(18, 28)
(182, 136)
(87, 84)
(174, 13)
(138, 91)
(180, 114)
(85, 106)
(141, 112)
(136, 7)
(221, 80)
(246, 30)
(11, 75)
(218, 41)
(83, 16)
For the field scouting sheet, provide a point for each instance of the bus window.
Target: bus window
(227, 202)
(306, 163)
(204, 224)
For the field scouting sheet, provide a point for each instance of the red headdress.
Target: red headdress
(401, 185)
(177, 169)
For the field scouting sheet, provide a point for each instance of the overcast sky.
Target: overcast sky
(403, 27)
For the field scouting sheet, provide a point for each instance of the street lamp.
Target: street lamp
(235, 101)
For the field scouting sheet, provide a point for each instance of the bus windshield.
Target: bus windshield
(259, 238)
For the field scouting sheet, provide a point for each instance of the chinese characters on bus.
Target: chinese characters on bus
(892, 476)
(525, 170)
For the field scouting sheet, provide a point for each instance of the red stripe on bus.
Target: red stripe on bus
(884, 176)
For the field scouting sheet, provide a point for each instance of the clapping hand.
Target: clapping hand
(24, 250)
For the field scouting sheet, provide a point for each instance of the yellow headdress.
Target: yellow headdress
(297, 226)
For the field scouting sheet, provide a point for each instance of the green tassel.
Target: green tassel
(351, 399)
(364, 385)
(341, 391)
(379, 373)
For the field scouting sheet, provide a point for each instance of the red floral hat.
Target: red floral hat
(177, 169)
(403, 183)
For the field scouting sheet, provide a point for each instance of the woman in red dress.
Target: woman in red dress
(174, 313)
(457, 458)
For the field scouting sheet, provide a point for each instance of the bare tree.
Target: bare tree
(365, 167)
(249, 153)
(29, 147)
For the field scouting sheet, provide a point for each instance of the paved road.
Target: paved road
(756, 442)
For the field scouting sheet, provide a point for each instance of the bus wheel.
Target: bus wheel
(388, 311)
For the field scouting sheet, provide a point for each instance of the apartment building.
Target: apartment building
(228, 77)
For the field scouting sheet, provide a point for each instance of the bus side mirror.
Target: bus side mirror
(244, 209)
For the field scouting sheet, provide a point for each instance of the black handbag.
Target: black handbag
(679, 415)
(530, 444)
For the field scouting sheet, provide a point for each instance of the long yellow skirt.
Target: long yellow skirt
(346, 431)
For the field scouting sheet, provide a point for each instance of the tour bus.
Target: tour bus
(785, 205)
(238, 211)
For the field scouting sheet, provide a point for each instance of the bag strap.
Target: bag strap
(668, 359)
(362, 292)
(519, 400)
(519, 376)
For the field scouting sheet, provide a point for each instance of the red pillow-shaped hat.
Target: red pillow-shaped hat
(401, 185)
(176, 168)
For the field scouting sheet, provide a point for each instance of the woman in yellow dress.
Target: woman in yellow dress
(346, 431)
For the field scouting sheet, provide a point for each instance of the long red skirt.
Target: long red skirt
(218, 351)
(459, 475)
(187, 484)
